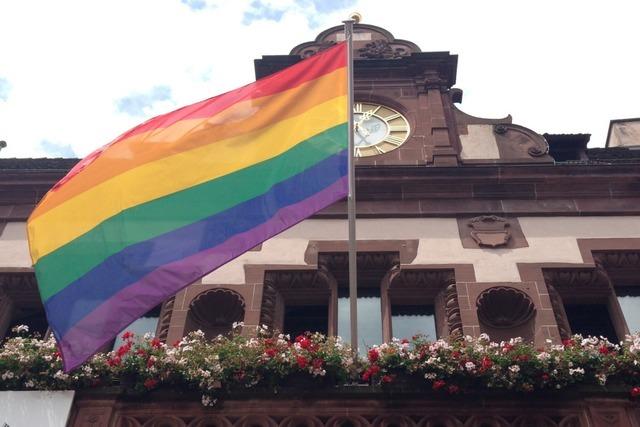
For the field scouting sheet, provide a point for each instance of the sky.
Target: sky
(76, 74)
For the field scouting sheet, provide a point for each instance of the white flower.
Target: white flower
(60, 376)
(29, 384)
(543, 356)
(579, 371)
(20, 329)
(430, 376)
(470, 366)
(514, 368)
(208, 401)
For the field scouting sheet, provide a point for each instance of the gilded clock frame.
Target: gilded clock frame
(398, 128)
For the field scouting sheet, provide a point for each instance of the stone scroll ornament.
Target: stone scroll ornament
(490, 230)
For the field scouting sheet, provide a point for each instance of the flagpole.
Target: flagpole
(351, 198)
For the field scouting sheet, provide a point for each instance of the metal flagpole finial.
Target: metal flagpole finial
(356, 17)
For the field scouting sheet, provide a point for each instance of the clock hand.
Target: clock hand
(361, 129)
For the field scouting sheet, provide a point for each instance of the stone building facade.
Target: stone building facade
(465, 225)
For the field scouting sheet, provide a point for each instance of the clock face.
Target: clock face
(378, 129)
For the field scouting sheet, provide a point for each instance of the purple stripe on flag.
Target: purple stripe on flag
(108, 319)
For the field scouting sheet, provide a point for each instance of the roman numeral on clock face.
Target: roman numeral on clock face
(391, 139)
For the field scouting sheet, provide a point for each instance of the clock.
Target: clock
(378, 129)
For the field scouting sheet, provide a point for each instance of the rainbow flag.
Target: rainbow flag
(184, 193)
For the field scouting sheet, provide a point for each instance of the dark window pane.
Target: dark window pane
(410, 320)
(629, 299)
(300, 319)
(591, 319)
(369, 318)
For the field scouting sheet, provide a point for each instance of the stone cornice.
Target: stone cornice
(416, 191)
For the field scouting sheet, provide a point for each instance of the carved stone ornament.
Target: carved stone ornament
(380, 49)
(521, 142)
(369, 42)
(422, 279)
(504, 307)
(490, 230)
(217, 308)
(452, 311)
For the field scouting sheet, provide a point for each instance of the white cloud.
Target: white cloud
(557, 67)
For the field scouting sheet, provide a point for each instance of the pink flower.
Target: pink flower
(438, 384)
(317, 363)
(270, 352)
(453, 389)
(387, 379)
(150, 383)
(635, 392)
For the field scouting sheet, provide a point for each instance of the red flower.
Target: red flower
(545, 377)
(373, 355)
(115, 361)
(635, 392)
(317, 363)
(438, 384)
(302, 362)
(123, 349)
(56, 354)
(522, 358)
(404, 341)
(374, 369)
(127, 335)
(455, 354)
(141, 352)
(271, 352)
(507, 348)
(176, 344)
(150, 383)
(486, 363)
(156, 343)
(366, 375)
(603, 350)
(453, 389)
(568, 343)
(387, 379)
(304, 342)
(150, 362)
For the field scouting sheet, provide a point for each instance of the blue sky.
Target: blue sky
(75, 75)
